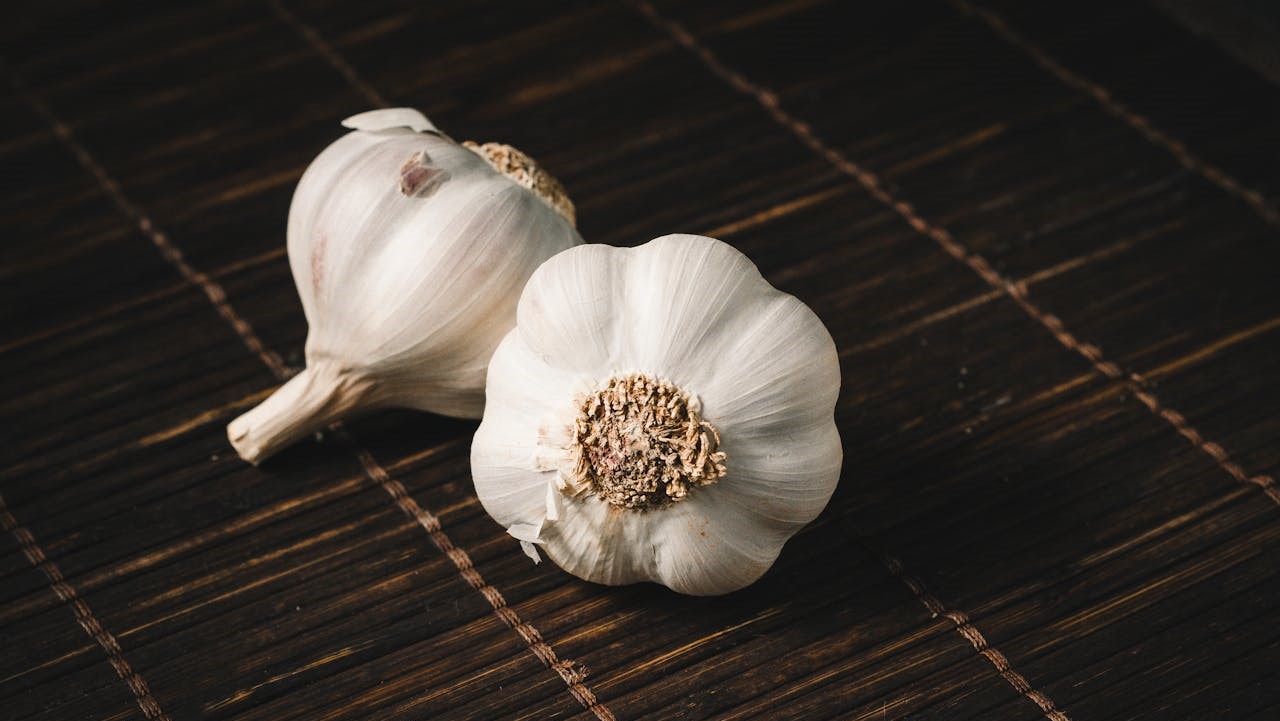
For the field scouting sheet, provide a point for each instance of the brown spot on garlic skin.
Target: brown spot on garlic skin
(418, 177)
(640, 444)
(526, 173)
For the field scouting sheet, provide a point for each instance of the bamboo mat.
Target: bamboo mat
(1044, 236)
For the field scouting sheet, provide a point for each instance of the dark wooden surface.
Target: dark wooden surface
(1025, 528)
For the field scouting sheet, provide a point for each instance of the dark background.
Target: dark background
(1044, 236)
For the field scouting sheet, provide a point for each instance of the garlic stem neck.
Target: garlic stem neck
(640, 443)
(318, 396)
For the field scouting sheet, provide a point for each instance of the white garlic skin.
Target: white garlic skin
(406, 290)
(695, 312)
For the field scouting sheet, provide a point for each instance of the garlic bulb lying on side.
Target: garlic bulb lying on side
(409, 252)
(659, 413)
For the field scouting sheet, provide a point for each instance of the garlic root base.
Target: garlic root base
(318, 396)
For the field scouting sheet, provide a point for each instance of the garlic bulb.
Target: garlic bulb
(409, 252)
(659, 413)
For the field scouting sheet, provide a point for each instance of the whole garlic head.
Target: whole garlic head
(659, 413)
(409, 252)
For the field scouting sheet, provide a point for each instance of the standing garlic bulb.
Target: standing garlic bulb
(659, 413)
(409, 252)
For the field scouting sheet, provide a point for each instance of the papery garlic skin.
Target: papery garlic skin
(757, 365)
(409, 252)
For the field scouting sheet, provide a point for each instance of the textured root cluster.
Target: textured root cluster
(640, 443)
(527, 173)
